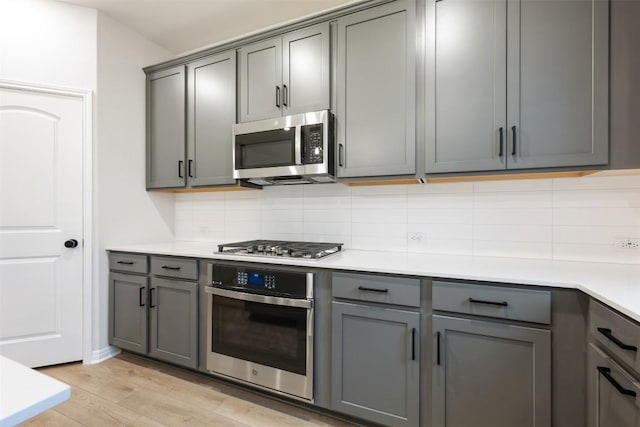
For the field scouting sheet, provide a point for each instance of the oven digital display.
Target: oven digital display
(255, 279)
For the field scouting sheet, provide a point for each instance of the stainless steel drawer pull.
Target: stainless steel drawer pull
(606, 372)
(166, 267)
(479, 301)
(126, 262)
(382, 291)
(607, 333)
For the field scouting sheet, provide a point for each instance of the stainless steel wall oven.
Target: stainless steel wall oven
(260, 327)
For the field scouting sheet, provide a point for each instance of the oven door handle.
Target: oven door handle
(264, 299)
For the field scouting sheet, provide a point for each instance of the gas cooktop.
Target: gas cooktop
(281, 248)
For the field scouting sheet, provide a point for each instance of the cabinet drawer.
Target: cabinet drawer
(183, 268)
(382, 289)
(132, 263)
(493, 301)
(620, 336)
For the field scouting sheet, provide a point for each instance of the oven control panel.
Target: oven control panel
(260, 280)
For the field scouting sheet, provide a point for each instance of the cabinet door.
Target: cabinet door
(305, 70)
(489, 374)
(173, 308)
(614, 396)
(375, 363)
(376, 91)
(557, 87)
(466, 85)
(128, 312)
(210, 116)
(261, 80)
(166, 128)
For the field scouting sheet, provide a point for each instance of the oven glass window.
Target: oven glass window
(265, 149)
(271, 335)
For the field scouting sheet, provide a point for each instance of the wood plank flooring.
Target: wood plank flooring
(133, 391)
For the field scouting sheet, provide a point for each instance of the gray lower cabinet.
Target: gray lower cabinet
(375, 363)
(285, 75)
(614, 394)
(173, 331)
(489, 374)
(153, 310)
(516, 86)
(375, 108)
(166, 92)
(128, 320)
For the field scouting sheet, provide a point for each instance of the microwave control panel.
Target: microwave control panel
(313, 144)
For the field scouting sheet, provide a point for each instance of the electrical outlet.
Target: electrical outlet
(415, 236)
(627, 243)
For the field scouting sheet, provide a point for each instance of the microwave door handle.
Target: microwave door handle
(264, 299)
(297, 149)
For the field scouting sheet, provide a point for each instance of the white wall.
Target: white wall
(52, 43)
(47, 42)
(124, 211)
(563, 219)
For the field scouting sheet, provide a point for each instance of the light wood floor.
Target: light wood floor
(132, 391)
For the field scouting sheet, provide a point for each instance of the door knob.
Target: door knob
(71, 243)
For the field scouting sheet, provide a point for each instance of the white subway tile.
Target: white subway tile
(593, 234)
(389, 201)
(597, 216)
(379, 215)
(540, 250)
(441, 188)
(440, 201)
(442, 231)
(513, 185)
(440, 216)
(291, 227)
(597, 182)
(330, 238)
(513, 216)
(326, 190)
(389, 243)
(342, 228)
(594, 253)
(442, 246)
(597, 198)
(513, 233)
(327, 215)
(283, 191)
(328, 202)
(379, 190)
(379, 230)
(514, 199)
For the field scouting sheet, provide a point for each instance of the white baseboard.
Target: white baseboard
(103, 354)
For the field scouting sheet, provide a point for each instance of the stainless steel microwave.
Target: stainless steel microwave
(285, 150)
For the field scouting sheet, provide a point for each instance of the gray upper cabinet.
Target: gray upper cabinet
(166, 128)
(516, 84)
(375, 363)
(375, 105)
(173, 332)
(490, 374)
(210, 115)
(285, 75)
(190, 114)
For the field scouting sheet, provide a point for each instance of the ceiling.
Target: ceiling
(185, 25)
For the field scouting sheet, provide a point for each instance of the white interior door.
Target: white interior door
(41, 137)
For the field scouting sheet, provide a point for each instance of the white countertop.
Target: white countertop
(24, 392)
(617, 285)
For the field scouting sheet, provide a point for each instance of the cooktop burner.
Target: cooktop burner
(281, 248)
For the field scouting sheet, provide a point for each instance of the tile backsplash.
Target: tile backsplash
(582, 219)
